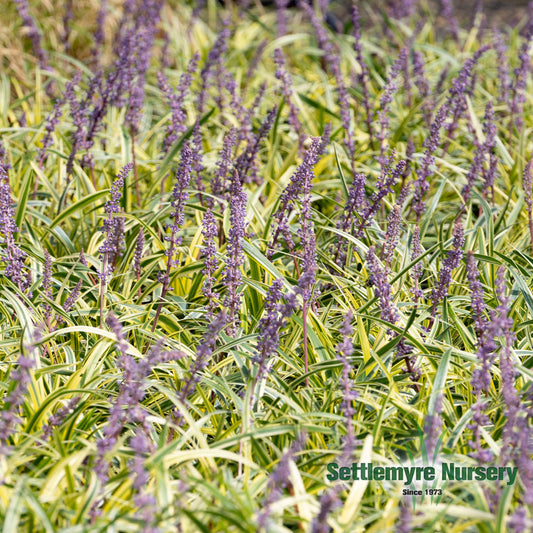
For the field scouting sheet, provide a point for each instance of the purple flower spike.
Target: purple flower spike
(33, 32)
(10, 253)
(293, 192)
(278, 481)
(378, 278)
(138, 255)
(209, 250)
(235, 254)
(364, 77)
(12, 403)
(527, 183)
(345, 350)
(113, 226)
(453, 258)
(47, 286)
(286, 90)
(416, 272)
(432, 429)
(179, 197)
(478, 304)
(176, 100)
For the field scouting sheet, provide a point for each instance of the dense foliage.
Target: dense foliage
(239, 243)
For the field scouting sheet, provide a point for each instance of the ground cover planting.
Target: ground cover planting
(265, 268)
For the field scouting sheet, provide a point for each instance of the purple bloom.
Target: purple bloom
(385, 183)
(179, 197)
(476, 170)
(364, 77)
(503, 67)
(393, 229)
(478, 304)
(204, 351)
(448, 15)
(72, 298)
(391, 86)
(10, 253)
(430, 144)
(416, 272)
(246, 164)
(113, 226)
(13, 401)
(67, 18)
(286, 90)
(278, 481)
(527, 184)
(349, 394)
(293, 192)
(281, 6)
(328, 502)
(378, 278)
(214, 67)
(405, 518)
(209, 232)
(432, 429)
(224, 168)
(59, 417)
(269, 327)
(235, 255)
(490, 131)
(422, 83)
(356, 203)
(52, 120)
(137, 256)
(518, 88)
(126, 408)
(451, 262)
(47, 286)
(176, 100)
(99, 34)
(33, 32)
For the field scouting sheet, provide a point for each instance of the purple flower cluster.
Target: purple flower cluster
(60, 416)
(391, 86)
(176, 101)
(46, 286)
(11, 254)
(235, 255)
(293, 192)
(278, 480)
(269, 327)
(33, 31)
(209, 250)
(286, 90)
(138, 254)
(344, 351)
(179, 197)
(378, 279)
(214, 69)
(224, 168)
(126, 408)
(432, 429)
(416, 271)
(113, 227)
(364, 76)
(246, 164)
(527, 184)
(490, 131)
(9, 414)
(450, 263)
(204, 351)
